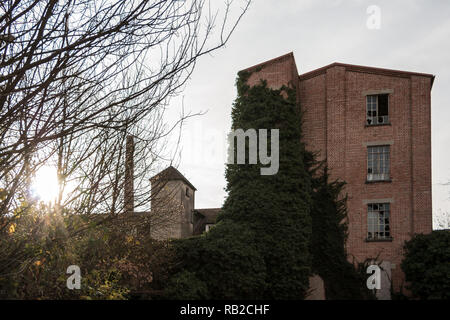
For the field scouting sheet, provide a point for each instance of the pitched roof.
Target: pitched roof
(171, 173)
(366, 69)
(349, 67)
(204, 217)
(209, 214)
(268, 62)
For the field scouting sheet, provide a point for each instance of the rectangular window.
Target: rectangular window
(377, 109)
(378, 226)
(378, 163)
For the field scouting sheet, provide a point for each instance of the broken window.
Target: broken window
(378, 163)
(378, 226)
(377, 109)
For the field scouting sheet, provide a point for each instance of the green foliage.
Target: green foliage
(275, 207)
(186, 286)
(329, 234)
(224, 260)
(31, 261)
(266, 221)
(114, 264)
(259, 250)
(426, 265)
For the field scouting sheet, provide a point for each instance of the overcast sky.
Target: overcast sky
(413, 35)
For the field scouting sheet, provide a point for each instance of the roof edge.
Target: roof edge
(182, 177)
(265, 63)
(366, 69)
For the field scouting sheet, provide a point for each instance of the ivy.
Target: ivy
(274, 231)
(342, 279)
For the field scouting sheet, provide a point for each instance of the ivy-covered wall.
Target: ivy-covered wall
(274, 230)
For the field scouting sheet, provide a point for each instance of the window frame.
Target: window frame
(374, 227)
(375, 119)
(380, 162)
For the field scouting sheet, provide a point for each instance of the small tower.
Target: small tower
(172, 205)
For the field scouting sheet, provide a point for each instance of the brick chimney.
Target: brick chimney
(129, 176)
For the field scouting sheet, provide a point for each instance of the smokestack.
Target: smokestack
(129, 175)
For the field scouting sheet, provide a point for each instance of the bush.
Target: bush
(426, 265)
(35, 254)
(186, 286)
(224, 260)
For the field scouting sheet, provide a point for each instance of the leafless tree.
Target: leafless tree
(78, 76)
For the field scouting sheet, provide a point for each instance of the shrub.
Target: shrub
(426, 265)
(223, 263)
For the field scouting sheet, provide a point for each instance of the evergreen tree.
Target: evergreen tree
(259, 247)
(262, 247)
(426, 265)
(275, 207)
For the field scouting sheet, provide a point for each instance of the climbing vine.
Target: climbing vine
(274, 231)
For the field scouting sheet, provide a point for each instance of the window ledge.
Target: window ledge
(378, 181)
(377, 124)
(379, 240)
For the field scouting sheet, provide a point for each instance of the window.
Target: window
(378, 221)
(188, 194)
(377, 109)
(378, 163)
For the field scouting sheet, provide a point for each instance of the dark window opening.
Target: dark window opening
(377, 109)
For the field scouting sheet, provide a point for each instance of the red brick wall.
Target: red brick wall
(277, 72)
(421, 162)
(334, 114)
(313, 103)
(339, 95)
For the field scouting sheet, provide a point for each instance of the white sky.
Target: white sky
(414, 35)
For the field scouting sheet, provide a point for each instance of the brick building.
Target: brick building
(373, 126)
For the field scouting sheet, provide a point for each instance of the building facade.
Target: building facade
(173, 207)
(373, 127)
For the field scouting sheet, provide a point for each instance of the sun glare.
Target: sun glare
(45, 184)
